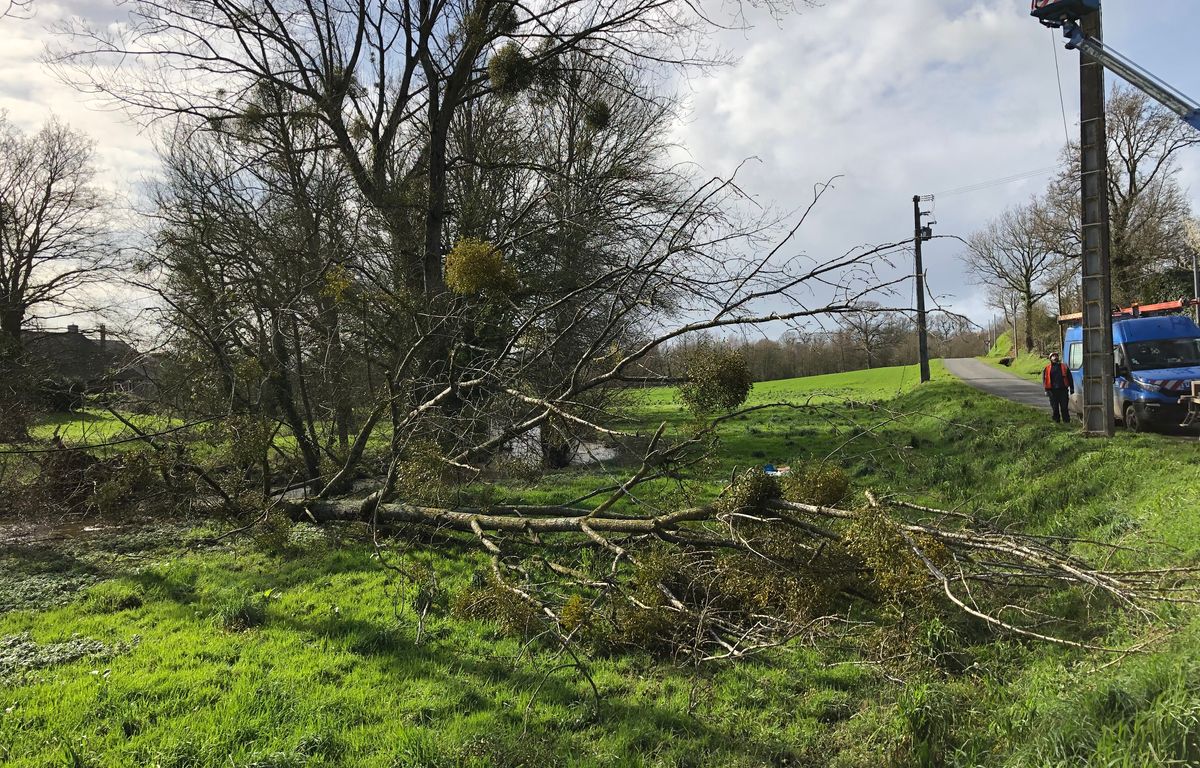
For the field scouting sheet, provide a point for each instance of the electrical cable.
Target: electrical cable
(1062, 102)
(997, 182)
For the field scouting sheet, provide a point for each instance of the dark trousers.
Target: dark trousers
(1059, 398)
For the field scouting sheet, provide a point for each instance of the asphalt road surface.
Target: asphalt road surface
(995, 382)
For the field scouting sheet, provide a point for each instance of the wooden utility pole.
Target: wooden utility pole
(921, 234)
(1098, 417)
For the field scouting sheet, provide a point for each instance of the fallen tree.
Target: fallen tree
(767, 561)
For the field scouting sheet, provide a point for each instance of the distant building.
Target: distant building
(88, 361)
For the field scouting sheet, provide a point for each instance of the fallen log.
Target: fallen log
(790, 545)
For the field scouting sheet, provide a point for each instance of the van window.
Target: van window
(1075, 356)
(1163, 353)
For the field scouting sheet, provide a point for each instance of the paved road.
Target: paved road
(995, 382)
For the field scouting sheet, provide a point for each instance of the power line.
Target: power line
(1062, 103)
(997, 182)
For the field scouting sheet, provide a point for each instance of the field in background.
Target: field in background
(92, 426)
(293, 647)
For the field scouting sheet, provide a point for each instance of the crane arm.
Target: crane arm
(1127, 70)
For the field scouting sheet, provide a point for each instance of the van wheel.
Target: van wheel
(1133, 422)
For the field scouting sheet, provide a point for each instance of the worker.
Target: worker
(1056, 378)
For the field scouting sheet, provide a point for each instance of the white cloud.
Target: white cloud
(30, 95)
(897, 98)
(900, 99)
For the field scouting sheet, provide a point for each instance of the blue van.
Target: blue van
(1157, 358)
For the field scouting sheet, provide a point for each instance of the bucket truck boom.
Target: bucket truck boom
(1065, 14)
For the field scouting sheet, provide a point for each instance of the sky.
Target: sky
(892, 98)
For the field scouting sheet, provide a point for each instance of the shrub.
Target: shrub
(895, 568)
(123, 482)
(422, 475)
(750, 490)
(718, 379)
(496, 603)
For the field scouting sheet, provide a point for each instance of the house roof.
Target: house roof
(72, 356)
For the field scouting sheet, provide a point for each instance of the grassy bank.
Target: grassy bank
(294, 647)
(1027, 365)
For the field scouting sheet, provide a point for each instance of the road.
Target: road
(995, 382)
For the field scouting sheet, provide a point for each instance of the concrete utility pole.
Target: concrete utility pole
(1098, 417)
(921, 234)
(1195, 285)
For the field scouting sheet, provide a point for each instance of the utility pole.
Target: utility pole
(1195, 285)
(921, 234)
(1098, 417)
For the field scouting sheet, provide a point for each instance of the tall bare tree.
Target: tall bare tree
(1148, 207)
(1011, 255)
(871, 332)
(386, 79)
(53, 234)
(54, 242)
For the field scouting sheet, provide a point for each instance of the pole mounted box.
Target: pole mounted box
(1054, 13)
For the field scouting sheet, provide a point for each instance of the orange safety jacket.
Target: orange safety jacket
(1066, 376)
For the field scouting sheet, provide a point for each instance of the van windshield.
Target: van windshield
(1162, 353)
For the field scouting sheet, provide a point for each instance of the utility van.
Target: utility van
(1156, 360)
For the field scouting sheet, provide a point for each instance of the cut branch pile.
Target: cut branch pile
(753, 570)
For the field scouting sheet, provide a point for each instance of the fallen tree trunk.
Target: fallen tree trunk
(780, 548)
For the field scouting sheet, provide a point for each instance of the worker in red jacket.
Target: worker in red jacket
(1056, 378)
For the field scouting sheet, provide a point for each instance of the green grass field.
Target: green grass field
(293, 647)
(1027, 365)
(91, 426)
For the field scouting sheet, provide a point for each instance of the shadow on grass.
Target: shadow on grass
(500, 687)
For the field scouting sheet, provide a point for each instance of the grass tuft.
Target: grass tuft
(238, 611)
(113, 596)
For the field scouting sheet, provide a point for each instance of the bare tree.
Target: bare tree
(870, 330)
(53, 235)
(1010, 255)
(386, 80)
(251, 257)
(1148, 207)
